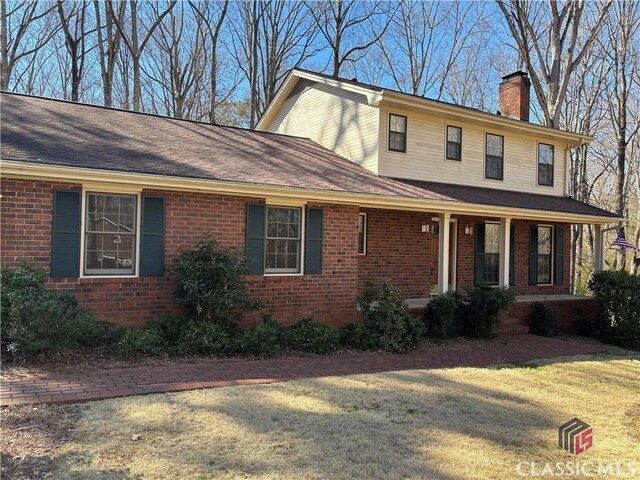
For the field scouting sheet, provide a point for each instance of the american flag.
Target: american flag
(622, 243)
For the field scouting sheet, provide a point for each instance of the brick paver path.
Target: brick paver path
(120, 382)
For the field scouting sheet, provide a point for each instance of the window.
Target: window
(494, 156)
(544, 255)
(454, 143)
(545, 165)
(492, 254)
(283, 240)
(362, 234)
(110, 234)
(397, 133)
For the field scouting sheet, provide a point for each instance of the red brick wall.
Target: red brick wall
(397, 250)
(26, 215)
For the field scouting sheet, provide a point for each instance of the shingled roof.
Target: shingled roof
(53, 132)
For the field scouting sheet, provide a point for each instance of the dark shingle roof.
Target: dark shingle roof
(54, 132)
(502, 198)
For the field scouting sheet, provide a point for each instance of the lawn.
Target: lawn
(457, 423)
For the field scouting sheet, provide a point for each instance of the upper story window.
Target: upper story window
(397, 133)
(362, 233)
(545, 164)
(494, 157)
(110, 234)
(454, 143)
(283, 240)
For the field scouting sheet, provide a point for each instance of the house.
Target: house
(344, 182)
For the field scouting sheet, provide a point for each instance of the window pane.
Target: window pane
(545, 154)
(494, 167)
(110, 234)
(494, 145)
(361, 233)
(491, 268)
(453, 151)
(396, 141)
(397, 123)
(492, 238)
(454, 134)
(545, 174)
(281, 253)
(544, 268)
(544, 240)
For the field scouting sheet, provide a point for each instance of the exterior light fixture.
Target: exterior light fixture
(429, 228)
(468, 229)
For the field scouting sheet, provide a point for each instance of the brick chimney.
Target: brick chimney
(514, 96)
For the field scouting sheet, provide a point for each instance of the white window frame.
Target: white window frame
(484, 161)
(101, 189)
(500, 252)
(553, 164)
(363, 215)
(406, 133)
(446, 142)
(284, 273)
(552, 238)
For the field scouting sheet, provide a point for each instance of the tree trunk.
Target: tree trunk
(4, 46)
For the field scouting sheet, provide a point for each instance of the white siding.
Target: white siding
(425, 156)
(337, 119)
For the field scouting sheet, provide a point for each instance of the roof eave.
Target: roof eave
(574, 139)
(39, 171)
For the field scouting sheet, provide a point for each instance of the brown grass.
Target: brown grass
(451, 424)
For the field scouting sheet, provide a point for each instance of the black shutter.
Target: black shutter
(152, 237)
(255, 237)
(65, 234)
(313, 247)
(480, 254)
(559, 254)
(533, 255)
(512, 257)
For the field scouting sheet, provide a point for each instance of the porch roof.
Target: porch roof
(504, 198)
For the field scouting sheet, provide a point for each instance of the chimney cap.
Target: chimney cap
(518, 73)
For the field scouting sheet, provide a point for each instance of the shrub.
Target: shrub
(262, 338)
(357, 335)
(36, 320)
(159, 337)
(386, 316)
(205, 338)
(479, 311)
(440, 316)
(312, 336)
(542, 320)
(587, 325)
(211, 284)
(618, 297)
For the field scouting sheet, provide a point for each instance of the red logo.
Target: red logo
(575, 436)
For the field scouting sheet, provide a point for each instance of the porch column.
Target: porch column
(505, 254)
(443, 250)
(598, 249)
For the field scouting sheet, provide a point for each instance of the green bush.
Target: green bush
(205, 338)
(159, 337)
(542, 320)
(211, 283)
(440, 316)
(312, 336)
(262, 338)
(478, 313)
(386, 316)
(36, 320)
(357, 335)
(587, 325)
(618, 297)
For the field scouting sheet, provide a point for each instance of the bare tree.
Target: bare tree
(134, 44)
(550, 41)
(212, 20)
(350, 27)
(108, 43)
(75, 33)
(22, 33)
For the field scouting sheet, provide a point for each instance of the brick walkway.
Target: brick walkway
(121, 382)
